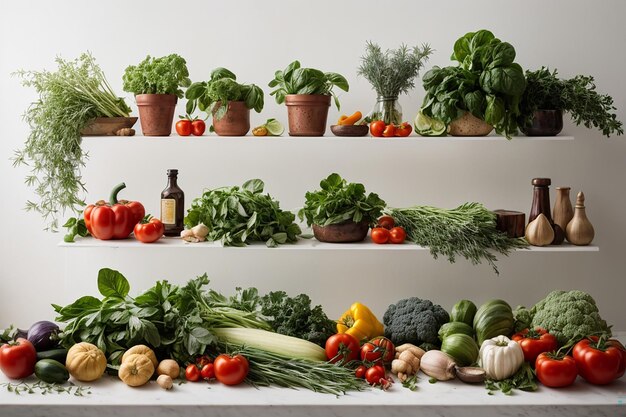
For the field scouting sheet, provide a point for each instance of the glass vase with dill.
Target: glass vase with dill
(391, 73)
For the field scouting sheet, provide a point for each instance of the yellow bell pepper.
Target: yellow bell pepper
(360, 322)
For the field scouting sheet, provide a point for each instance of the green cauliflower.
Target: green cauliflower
(569, 315)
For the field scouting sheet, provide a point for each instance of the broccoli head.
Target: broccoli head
(415, 321)
(569, 315)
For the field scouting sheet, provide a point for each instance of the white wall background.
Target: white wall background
(255, 38)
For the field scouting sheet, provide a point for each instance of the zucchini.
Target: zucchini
(51, 371)
(56, 354)
(463, 311)
(455, 327)
(461, 347)
(494, 318)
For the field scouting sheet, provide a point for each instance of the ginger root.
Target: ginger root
(125, 131)
(407, 361)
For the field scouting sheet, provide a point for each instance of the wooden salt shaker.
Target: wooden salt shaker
(579, 230)
(563, 211)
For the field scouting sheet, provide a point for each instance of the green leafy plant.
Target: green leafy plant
(297, 80)
(69, 98)
(165, 75)
(340, 201)
(577, 96)
(487, 83)
(215, 94)
(237, 216)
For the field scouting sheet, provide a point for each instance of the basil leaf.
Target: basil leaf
(112, 283)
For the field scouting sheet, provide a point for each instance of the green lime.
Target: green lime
(427, 126)
(274, 127)
(422, 123)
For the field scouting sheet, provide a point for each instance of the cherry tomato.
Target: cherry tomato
(404, 130)
(374, 375)
(231, 370)
(377, 128)
(390, 130)
(359, 372)
(208, 371)
(555, 372)
(192, 373)
(198, 127)
(371, 353)
(149, 231)
(386, 346)
(598, 363)
(386, 222)
(535, 342)
(380, 235)
(397, 235)
(342, 347)
(203, 360)
(17, 359)
(183, 127)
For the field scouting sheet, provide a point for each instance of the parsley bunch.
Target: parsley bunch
(163, 75)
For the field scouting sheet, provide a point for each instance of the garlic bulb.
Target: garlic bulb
(539, 232)
(438, 365)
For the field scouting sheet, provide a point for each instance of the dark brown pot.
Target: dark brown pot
(156, 113)
(307, 114)
(545, 123)
(343, 232)
(236, 121)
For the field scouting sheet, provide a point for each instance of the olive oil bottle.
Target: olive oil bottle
(172, 205)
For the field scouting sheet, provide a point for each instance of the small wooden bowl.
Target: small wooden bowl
(350, 130)
(344, 232)
(107, 126)
(470, 374)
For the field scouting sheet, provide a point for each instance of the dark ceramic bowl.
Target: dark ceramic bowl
(353, 130)
(344, 232)
(545, 123)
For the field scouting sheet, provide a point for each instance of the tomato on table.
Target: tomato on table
(404, 130)
(377, 128)
(231, 370)
(342, 347)
(378, 350)
(208, 372)
(386, 222)
(149, 230)
(375, 375)
(597, 361)
(390, 130)
(534, 342)
(359, 372)
(555, 371)
(183, 127)
(380, 235)
(17, 359)
(618, 344)
(397, 235)
(198, 127)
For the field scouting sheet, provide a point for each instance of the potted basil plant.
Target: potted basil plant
(156, 83)
(547, 97)
(341, 212)
(226, 100)
(306, 93)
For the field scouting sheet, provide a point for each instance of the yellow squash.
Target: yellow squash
(136, 370)
(85, 362)
(360, 322)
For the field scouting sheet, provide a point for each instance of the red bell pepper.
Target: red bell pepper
(534, 342)
(597, 361)
(113, 220)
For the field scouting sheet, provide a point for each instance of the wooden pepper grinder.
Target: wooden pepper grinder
(579, 230)
(563, 211)
(541, 205)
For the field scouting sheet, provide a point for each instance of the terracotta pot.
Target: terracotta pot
(307, 114)
(469, 125)
(545, 123)
(156, 113)
(107, 126)
(236, 121)
(343, 232)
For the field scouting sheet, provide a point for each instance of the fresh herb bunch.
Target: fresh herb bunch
(69, 98)
(468, 231)
(339, 201)
(487, 83)
(524, 380)
(297, 80)
(45, 388)
(163, 75)
(237, 216)
(215, 94)
(577, 96)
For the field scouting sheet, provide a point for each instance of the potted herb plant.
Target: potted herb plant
(226, 100)
(546, 98)
(391, 73)
(306, 93)
(156, 83)
(341, 211)
(483, 91)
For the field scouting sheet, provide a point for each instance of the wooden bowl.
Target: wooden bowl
(344, 232)
(350, 130)
(107, 126)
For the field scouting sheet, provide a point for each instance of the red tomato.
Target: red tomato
(380, 235)
(149, 231)
(17, 359)
(342, 347)
(192, 373)
(397, 235)
(618, 344)
(598, 363)
(231, 370)
(203, 360)
(404, 130)
(555, 372)
(390, 130)
(183, 127)
(359, 372)
(371, 353)
(208, 372)
(387, 347)
(377, 128)
(198, 127)
(534, 342)
(386, 222)
(374, 375)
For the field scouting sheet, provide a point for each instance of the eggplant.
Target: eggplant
(43, 335)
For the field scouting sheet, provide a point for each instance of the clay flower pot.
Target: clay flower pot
(343, 232)
(307, 114)
(236, 121)
(469, 125)
(545, 123)
(156, 113)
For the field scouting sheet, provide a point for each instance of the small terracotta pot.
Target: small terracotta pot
(236, 121)
(469, 125)
(156, 113)
(545, 123)
(343, 232)
(307, 114)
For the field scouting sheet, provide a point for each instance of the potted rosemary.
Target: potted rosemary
(226, 100)
(546, 98)
(391, 73)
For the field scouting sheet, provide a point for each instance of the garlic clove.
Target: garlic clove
(539, 232)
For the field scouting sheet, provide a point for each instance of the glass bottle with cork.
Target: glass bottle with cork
(172, 205)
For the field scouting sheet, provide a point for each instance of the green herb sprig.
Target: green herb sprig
(524, 380)
(45, 388)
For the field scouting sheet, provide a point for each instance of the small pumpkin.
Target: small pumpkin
(501, 357)
(142, 350)
(85, 362)
(136, 370)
